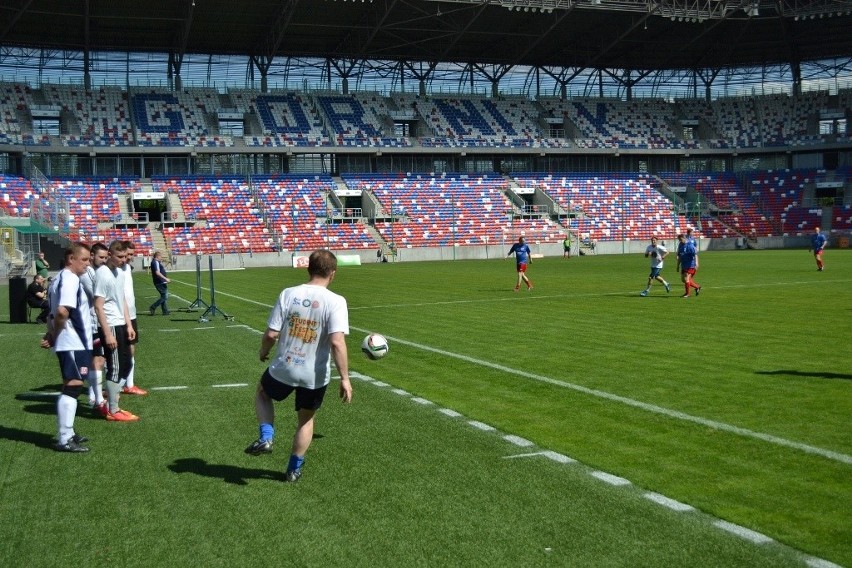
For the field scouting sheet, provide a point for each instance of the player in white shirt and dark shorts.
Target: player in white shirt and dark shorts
(309, 324)
(96, 398)
(657, 252)
(114, 328)
(130, 296)
(69, 335)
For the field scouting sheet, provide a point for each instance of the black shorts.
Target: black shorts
(136, 329)
(97, 346)
(118, 360)
(309, 399)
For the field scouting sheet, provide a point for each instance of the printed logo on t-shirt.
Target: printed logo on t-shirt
(302, 328)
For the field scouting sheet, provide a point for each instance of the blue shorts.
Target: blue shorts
(655, 272)
(309, 399)
(74, 364)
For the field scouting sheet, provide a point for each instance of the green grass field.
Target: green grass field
(459, 446)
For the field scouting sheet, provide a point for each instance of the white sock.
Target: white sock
(96, 395)
(66, 409)
(129, 383)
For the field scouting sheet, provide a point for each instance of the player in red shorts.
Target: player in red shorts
(687, 264)
(523, 256)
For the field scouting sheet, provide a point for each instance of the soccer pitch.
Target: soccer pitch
(576, 424)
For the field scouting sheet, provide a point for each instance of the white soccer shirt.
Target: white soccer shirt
(305, 316)
(129, 294)
(65, 290)
(656, 261)
(88, 282)
(109, 285)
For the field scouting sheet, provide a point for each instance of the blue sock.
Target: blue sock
(266, 431)
(295, 462)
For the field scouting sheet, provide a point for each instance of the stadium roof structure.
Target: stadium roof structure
(636, 35)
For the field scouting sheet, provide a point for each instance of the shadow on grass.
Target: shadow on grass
(37, 439)
(47, 406)
(227, 473)
(815, 374)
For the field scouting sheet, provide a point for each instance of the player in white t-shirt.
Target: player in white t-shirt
(130, 296)
(309, 324)
(114, 328)
(69, 335)
(657, 252)
(96, 398)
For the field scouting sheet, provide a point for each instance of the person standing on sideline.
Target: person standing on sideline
(161, 283)
(130, 297)
(309, 323)
(96, 397)
(115, 330)
(41, 265)
(687, 263)
(523, 256)
(657, 253)
(37, 298)
(69, 335)
(818, 241)
(566, 247)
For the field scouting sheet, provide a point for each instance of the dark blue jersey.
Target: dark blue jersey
(157, 266)
(522, 253)
(686, 254)
(818, 242)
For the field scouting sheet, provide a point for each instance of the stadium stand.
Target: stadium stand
(359, 120)
(643, 123)
(99, 117)
(16, 101)
(223, 216)
(176, 118)
(16, 195)
(448, 210)
(110, 117)
(475, 122)
(779, 194)
(608, 206)
(296, 208)
(728, 210)
(285, 119)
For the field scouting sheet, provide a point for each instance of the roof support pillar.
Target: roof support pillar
(796, 69)
(262, 63)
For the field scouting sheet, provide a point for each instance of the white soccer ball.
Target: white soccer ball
(375, 346)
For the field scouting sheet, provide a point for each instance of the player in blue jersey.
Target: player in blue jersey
(523, 257)
(687, 264)
(691, 240)
(818, 241)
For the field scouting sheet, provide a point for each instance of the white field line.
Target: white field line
(742, 532)
(667, 502)
(610, 478)
(614, 480)
(675, 414)
(529, 455)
